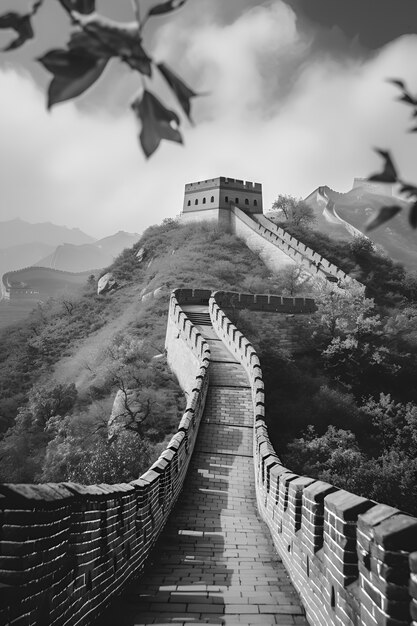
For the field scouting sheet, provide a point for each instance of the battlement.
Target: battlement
(213, 199)
(222, 181)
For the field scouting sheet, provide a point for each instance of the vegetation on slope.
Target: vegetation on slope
(355, 423)
(385, 280)
(60, 371)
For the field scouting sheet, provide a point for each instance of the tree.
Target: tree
(147, 395)
(94, 42)
(23, 448)
(293, 210)
(79, 450)
(292, 280)
(342, 310)
(336, 457)
(335, 452)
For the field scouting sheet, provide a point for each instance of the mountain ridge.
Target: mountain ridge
(88, 256)
(343, 216)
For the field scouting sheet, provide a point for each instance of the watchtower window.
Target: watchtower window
(246, 201)
(196, 201)
(212, 198)
(226, 199)
(236, 200)
(255, 203)
(204, 201)
(189, 203)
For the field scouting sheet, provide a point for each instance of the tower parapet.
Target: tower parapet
(213, 198)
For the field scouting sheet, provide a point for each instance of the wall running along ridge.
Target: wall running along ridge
(351, 559)
(66, 549)
(278, 248)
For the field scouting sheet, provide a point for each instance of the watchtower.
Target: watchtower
(213, 199)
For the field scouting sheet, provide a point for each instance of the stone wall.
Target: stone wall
(286, 312)
(221, 193)
(244, 227)
(351, 559)
(299, 252)
(278, 249)
(66, 549)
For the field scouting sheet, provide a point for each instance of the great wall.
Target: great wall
(71, 554)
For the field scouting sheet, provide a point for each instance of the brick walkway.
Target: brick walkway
(215, 562)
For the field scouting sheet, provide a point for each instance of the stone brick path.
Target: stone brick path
(215, 562)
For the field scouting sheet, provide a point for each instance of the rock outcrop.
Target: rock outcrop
(106, 283)
(126, 404)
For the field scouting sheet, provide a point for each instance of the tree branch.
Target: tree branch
(36, 6)
(136, 10)
(93, 34)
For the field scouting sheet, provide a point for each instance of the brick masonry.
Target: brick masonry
(353, 561)
(66, 550)
(215, 562)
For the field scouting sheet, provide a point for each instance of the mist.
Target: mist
(277, 109)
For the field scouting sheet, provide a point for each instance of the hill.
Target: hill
(81, 359)
(102, 342)
(22, 244)
(40, 283)
(23, 255)
(344, 215)
(88, 256)
(22, 290)
(18, 232)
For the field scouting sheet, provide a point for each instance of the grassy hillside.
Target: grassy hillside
(60, 370)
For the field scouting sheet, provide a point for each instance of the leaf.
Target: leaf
(21, 24)
(413, 130)
(181, 90)
(85, 7)
(397, 82)
(389, 173)
(105, 38)
(384, 214)
(158, 122)
(407, 98)
(74, 72)
(406, 95)
(412, 216)
(166, 7)
(408, 189)
(36, 6)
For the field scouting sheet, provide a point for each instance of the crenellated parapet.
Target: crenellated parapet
(66, 549)
(212, 199)
(352, 560)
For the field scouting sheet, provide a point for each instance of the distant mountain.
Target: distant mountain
(22, 244)
(18, 232)
(344, 215)
(39, 283)
(97, 255)
(22, 255)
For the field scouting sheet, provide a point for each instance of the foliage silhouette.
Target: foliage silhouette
(96, 40)
(389, 172)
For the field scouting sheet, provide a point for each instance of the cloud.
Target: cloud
(276, 113)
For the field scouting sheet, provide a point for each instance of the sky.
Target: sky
(294, 95)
